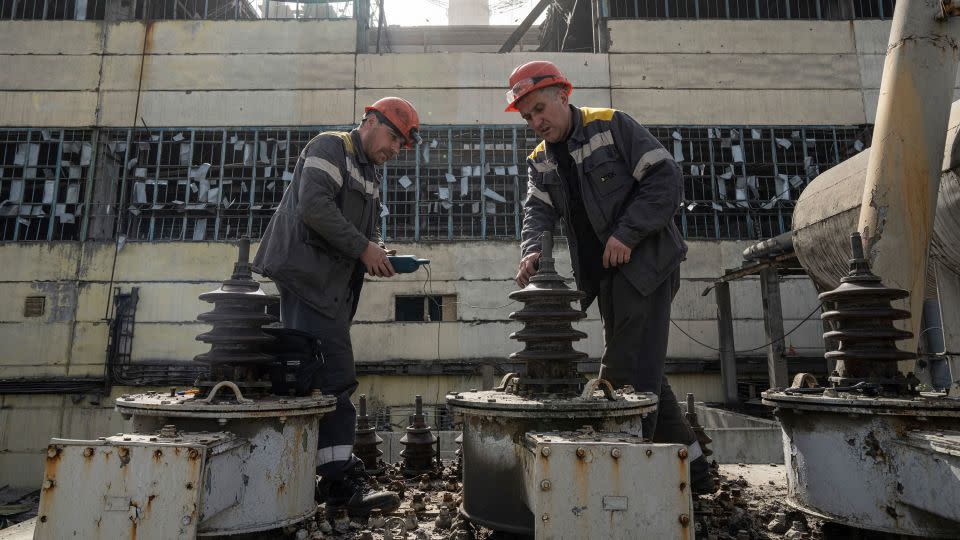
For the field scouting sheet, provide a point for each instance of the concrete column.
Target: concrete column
(104, 207)
(728, 357)
(903, 172)
(773, 325)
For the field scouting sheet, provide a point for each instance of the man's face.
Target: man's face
(546, 112)
(380, 142)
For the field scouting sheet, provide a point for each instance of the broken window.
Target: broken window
(426, 308)
(44, 175)
(173, 9)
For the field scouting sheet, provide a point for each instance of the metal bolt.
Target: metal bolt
(684, 520)
(128, 438)
(48, 483)
(649, 452)
(683, 486)
(189, 485)
(546, 485)
(123, 452)
(615, 453)
(43, 519)
(52, 452)
(682, 453)
(581, 453)
(186, 520)
(87, 452)
(545, 451)
(491, 400)
(194, 454)
(545, 517)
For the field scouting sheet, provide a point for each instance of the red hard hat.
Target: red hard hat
(534, 76)
(399, 115)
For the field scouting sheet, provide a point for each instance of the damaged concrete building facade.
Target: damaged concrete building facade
(140, 140)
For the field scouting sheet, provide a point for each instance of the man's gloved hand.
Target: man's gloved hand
(616, 253)
(527, 268)
(374, 258)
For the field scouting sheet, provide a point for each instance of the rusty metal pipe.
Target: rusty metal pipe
(903, 172)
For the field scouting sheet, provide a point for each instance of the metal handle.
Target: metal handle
(236, 392)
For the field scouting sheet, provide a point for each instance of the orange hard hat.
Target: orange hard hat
(400, 116)
(534, 76)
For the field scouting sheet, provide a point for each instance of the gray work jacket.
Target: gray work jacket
(631, 189)
(328, 214)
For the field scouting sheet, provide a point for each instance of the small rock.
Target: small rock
(778, 524)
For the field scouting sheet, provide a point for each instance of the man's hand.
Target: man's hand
(375, 259)
(527, 268)
(616, 253)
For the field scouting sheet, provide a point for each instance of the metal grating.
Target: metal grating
(173, 9)
(34, 306)
(749, 9)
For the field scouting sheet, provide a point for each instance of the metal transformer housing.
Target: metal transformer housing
(494, 426)
(884, 464)
(278, 468)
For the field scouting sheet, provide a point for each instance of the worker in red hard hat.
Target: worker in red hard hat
(322, 239)
(617, 191)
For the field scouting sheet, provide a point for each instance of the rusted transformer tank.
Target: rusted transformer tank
(828, 209)
(870, 451)
(544, 442)
(231, 458)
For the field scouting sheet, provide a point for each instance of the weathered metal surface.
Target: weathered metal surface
(186, 405)
(492, 448)
(119, 487)
(693, 420)
(581, 485)
(923, 405)
(239, 313)
(276, 475)
(367, 442)
(829, 207)
(419, 444)
(492, 402)
(873, 471)
(862, 318)
(547, 333)
(903, 172)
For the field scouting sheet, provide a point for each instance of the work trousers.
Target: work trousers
(336, 377)
(635, 331)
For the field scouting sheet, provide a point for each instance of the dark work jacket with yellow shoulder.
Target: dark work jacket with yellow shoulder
(631, 188)
(328, 215)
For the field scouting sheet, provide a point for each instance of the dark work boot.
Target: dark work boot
(354, 493)
(702, 480)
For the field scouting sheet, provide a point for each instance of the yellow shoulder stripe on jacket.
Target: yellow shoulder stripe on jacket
(591, 113)
(538, 150)
(347, 140)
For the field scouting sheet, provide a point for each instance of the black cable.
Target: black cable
(764, 346)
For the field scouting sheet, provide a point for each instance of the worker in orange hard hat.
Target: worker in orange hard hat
(617, 191)
(316, 248)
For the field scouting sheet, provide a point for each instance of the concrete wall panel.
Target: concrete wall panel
(472, 70)
(741, 107)
(230, 108)
(88, 349)
(48, 261)
(168, 341)
(741, 36)
(468, 105)
(53, 72)
(47, 109)
(34, 349)
(50, 37)
(731, 71)
(244, 37)
(232, 72)
(872, 37)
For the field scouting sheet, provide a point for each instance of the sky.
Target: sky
(423, 12)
